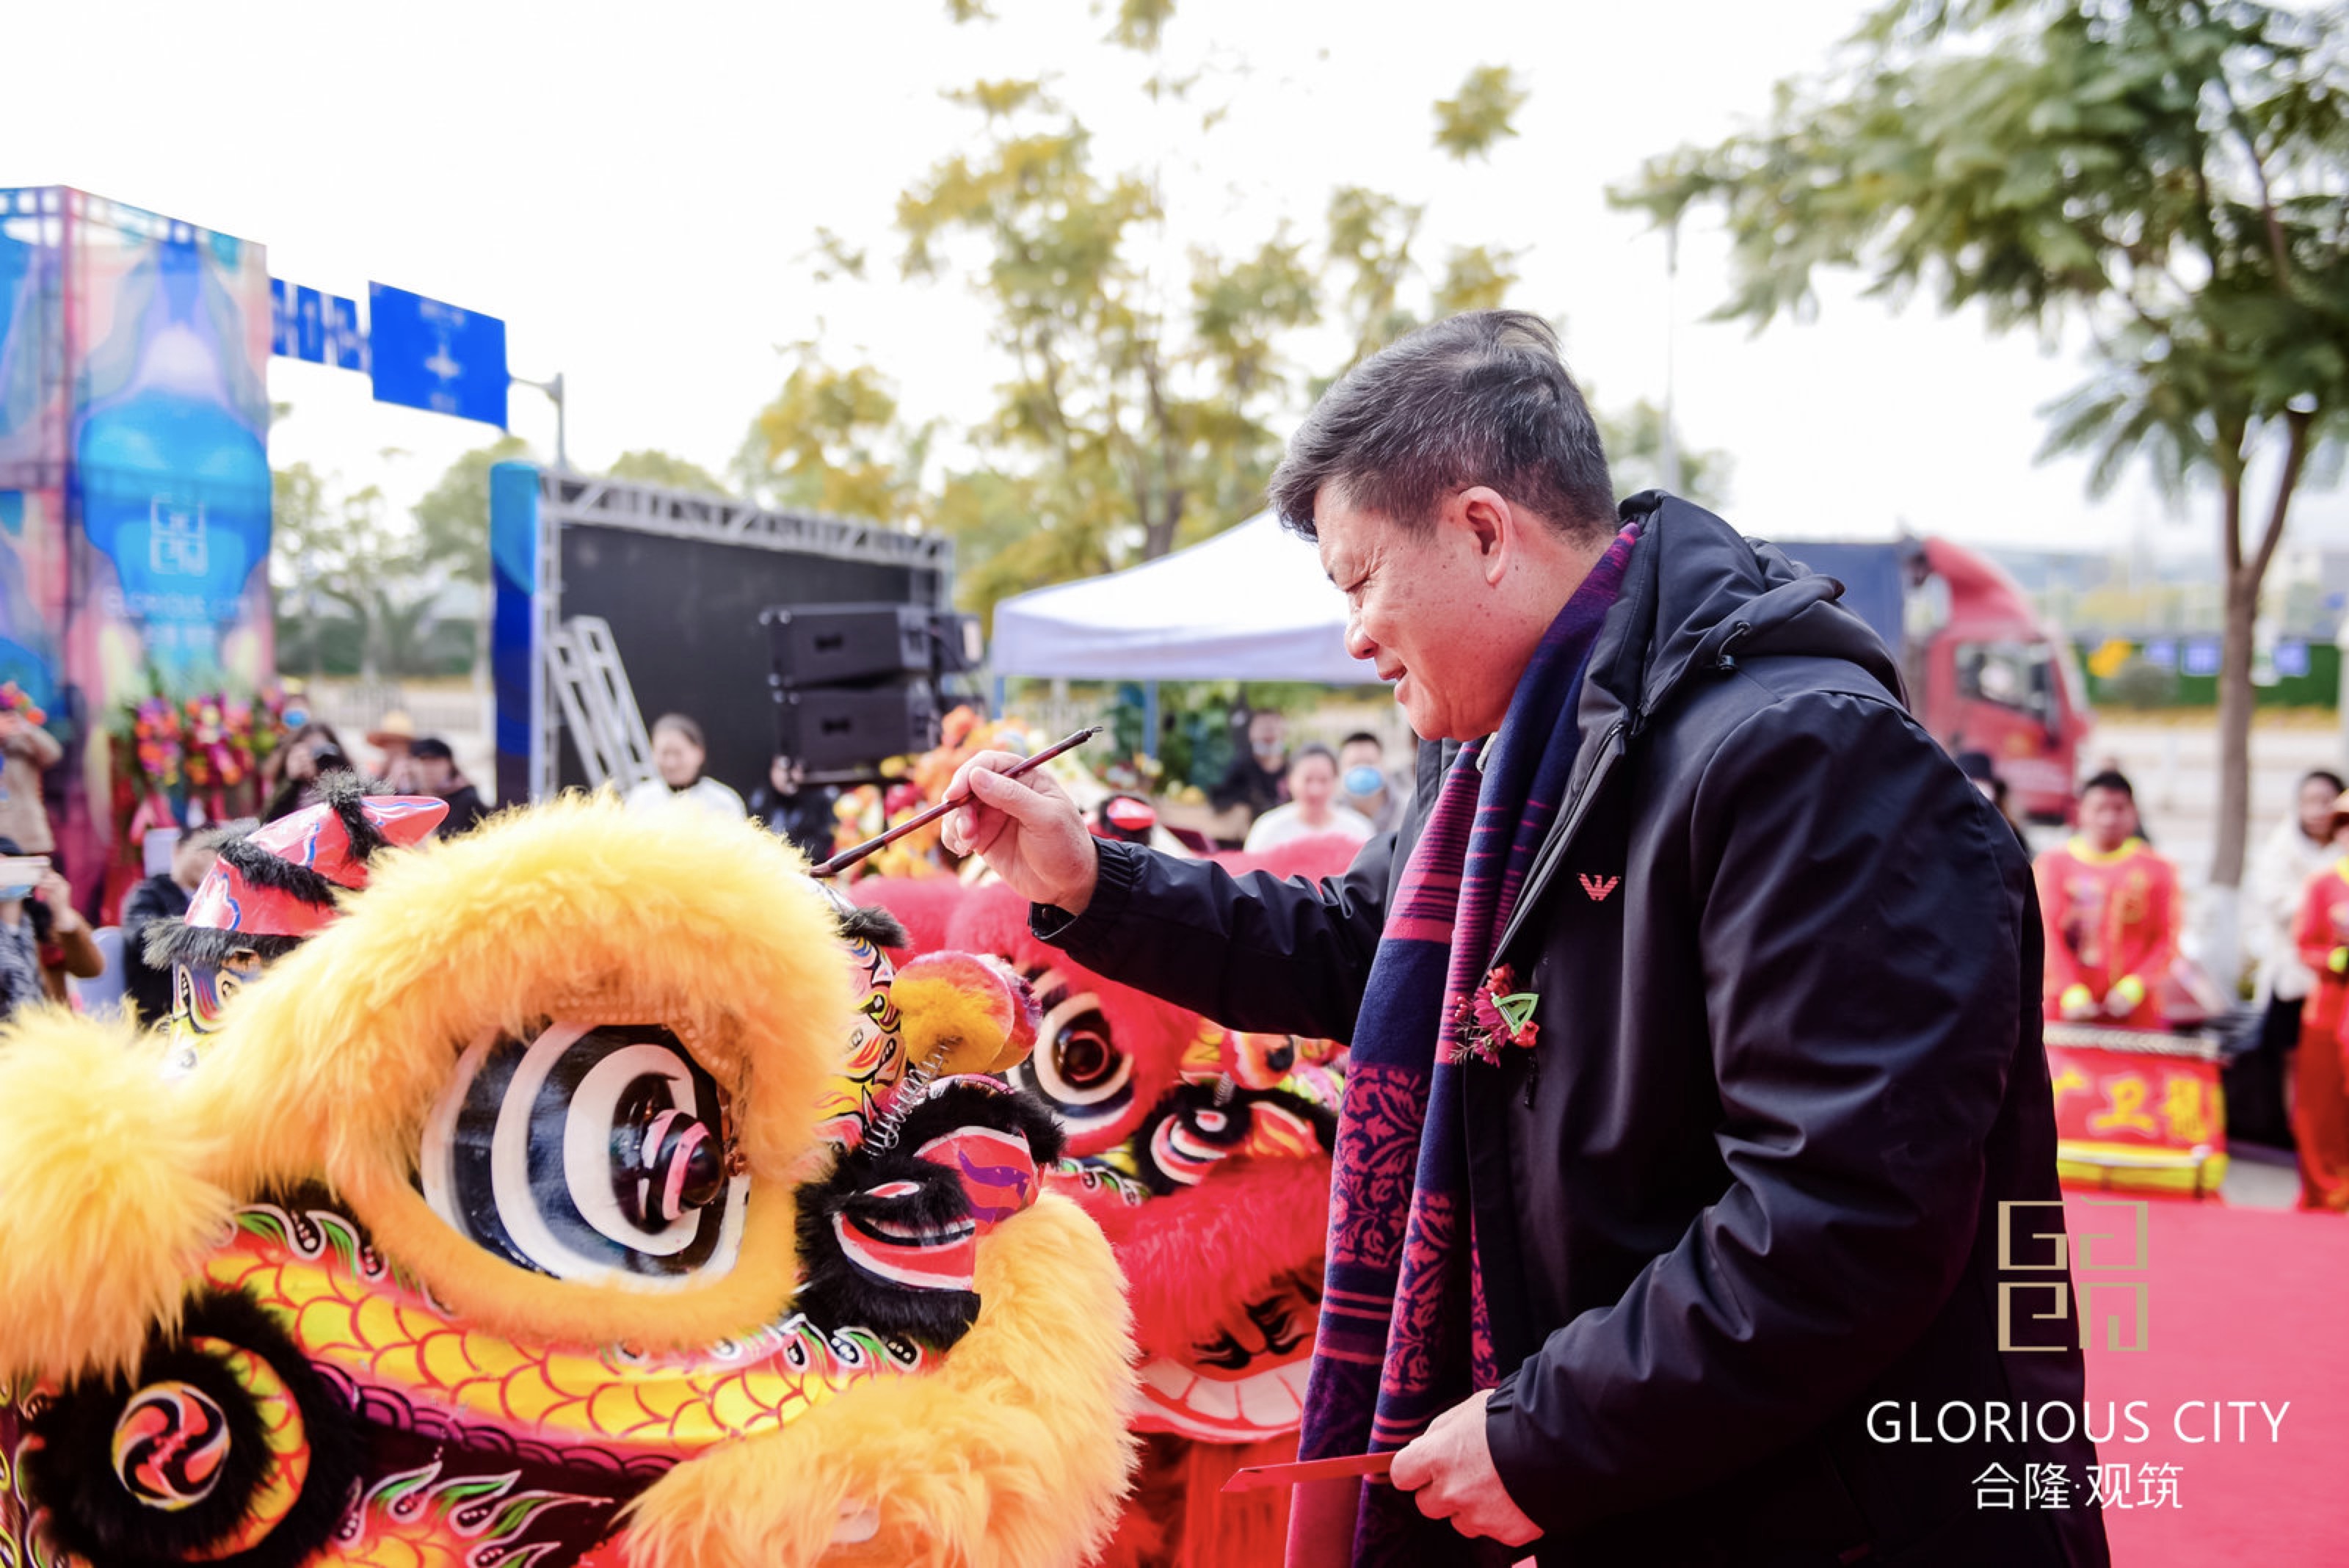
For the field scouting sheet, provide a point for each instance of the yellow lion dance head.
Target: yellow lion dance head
(504, 1221)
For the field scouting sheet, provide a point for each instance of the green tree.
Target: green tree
(2170, 176)
(347, 550)
(1634, 439)
(648, 465)
(1134, 411)
(831, 442)
(453, 518)
(1482, 113)
(1138, 411)
(298, 522)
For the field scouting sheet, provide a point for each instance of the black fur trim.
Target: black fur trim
(967, 1104)
(174, 942)
(836, 1294)
(344, 792)
(1323, 1119)
(873, 924)
(265, 869)
(70, 1471)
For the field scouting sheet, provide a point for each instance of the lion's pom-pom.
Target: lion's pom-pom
(106, 1209)
(973, 1005)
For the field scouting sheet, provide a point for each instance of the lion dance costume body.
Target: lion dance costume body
(590, 1192)
(1205, 1155)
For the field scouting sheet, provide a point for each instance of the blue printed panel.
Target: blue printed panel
(513, 625)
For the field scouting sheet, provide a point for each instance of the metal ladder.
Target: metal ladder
(599, 707)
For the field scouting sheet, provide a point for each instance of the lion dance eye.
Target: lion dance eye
(1077, 1068)
(595, 1154)
(169, 1446)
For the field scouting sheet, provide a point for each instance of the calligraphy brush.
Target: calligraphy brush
(851, 856)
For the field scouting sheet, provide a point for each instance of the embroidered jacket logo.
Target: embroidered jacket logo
(1596, 889)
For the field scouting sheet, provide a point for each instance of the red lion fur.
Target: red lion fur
(1314, 857)
(1154, 1035)
(925, 905)
(1187, 1257)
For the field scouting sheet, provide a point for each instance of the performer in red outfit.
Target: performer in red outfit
(2112, 910)
(2319, 1112)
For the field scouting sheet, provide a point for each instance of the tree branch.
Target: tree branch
(2276, 247)
(2231, 500)
(2296, 453)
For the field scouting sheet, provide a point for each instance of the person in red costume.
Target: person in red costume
(2320, 1111)
(2112, 910)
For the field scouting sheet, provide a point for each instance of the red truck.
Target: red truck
(1984, 672)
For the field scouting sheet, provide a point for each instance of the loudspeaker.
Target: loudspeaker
(824, 645)
(958, 644)
(829, 728)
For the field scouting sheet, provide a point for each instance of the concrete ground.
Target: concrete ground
(2260, 1178)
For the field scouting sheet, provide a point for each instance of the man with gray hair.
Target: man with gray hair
(1696, 1097)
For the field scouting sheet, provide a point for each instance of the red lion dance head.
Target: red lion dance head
(1203, 1154)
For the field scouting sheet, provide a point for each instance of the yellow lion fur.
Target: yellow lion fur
(935, 1013)
(576, 908)
(1006, 1455)
(105, 1206)
(1012, 1452)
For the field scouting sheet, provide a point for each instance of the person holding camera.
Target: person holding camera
(43, 938)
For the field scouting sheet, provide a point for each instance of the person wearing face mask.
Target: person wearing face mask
(43, 938)
(1363, 775)
(1313, 805)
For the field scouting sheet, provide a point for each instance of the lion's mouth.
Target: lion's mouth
(1193, 1402)
(932, 1257)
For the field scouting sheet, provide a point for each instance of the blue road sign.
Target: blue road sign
(281, 318)
(345, 344)
(309, 326)
(428, 355)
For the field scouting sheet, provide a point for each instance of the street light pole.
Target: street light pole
(554, 389)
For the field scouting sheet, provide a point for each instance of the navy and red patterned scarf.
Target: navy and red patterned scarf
(1403, 1334)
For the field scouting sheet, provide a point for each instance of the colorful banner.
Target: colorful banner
(2136, 1111)
(134, 476)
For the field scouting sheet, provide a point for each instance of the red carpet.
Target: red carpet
(2243, 1304)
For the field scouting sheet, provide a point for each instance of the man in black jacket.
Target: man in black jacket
(164, 897)
(1740, 1219)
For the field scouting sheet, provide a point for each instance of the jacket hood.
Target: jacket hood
(1699, 596)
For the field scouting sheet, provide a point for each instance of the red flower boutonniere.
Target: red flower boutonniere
(1494, 1014)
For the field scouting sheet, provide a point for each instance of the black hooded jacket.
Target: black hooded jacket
(1739, 1213)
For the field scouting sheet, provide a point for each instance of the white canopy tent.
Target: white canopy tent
(1250, 604)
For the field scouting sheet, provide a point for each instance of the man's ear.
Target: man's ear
(1487, 514)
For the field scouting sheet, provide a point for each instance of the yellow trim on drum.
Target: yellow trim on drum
(2135, 1168)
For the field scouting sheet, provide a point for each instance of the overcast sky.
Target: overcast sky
(635, 188)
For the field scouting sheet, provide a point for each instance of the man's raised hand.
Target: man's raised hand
(1026, 828)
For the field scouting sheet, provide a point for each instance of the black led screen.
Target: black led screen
(685, 617)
